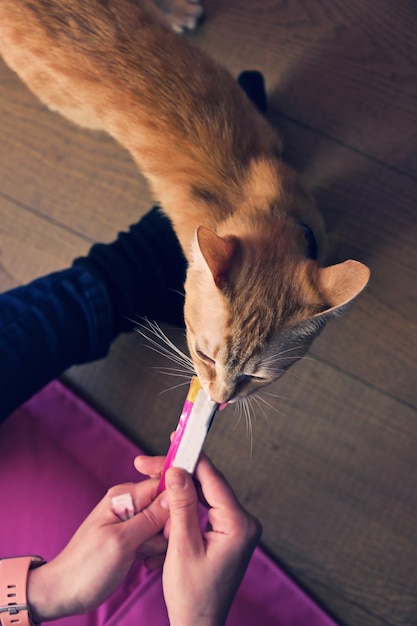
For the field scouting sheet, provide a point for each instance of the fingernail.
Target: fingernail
(164, 502)
(175, 479)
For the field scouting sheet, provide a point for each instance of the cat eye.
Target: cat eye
(257, 378)
(246, 378)
(204, 357)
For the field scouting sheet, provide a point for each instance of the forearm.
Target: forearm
(45, 327)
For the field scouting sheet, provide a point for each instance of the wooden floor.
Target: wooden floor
(332, 467)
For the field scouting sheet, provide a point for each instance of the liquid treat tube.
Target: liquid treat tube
(193, 426)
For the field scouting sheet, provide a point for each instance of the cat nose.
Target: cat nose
(221, 393)
(221, 398)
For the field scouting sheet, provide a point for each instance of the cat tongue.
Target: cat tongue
(222, 406)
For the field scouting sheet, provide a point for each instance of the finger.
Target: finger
(225, 514)
(246, 528)
(216, 490)
(155, 546)
(144, 525)
(154, 562)
(142, 493)
(167, 528)
(149, 465)
(184, 533)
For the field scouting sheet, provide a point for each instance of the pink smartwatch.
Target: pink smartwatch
(14, 608)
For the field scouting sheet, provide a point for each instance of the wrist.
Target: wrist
(42, 595)
(37, 596)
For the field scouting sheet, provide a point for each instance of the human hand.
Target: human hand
(203, 570)
(99, 555)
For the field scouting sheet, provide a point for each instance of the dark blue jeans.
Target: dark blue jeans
(54, 322)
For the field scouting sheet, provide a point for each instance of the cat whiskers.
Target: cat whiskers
(172, 387)
(271, 364)
(243, 408)
(249, 408)
(274, 359)
(158, 341)
(283, 356)
(262, 403)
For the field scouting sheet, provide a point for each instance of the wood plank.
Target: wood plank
(346, 69)
(33, 246)
(89, 183)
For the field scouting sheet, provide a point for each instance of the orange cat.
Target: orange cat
(254, 298)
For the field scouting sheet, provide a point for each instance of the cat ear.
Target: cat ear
(217, 252)
(343, 282)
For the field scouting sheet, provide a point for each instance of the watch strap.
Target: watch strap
(14, 608)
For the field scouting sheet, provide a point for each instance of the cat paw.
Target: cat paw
(182, 14)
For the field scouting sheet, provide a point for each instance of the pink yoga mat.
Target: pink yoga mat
(57, 459)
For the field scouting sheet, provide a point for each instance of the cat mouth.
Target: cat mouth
(222, 406)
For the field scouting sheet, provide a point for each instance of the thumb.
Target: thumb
(183, 506)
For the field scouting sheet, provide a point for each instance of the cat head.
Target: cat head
(255, 302)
